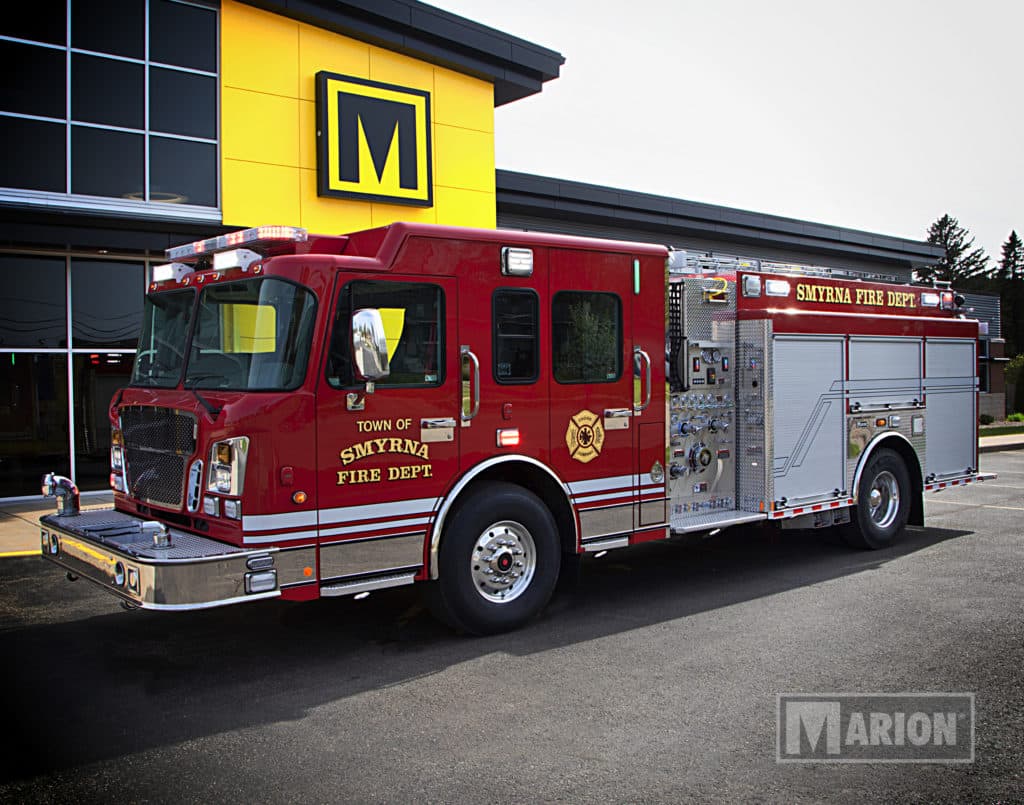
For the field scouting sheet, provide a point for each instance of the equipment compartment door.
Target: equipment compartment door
(808, 411)
(951, 386)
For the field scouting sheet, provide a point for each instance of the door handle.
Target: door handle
(617, 418)
(465, 352)
(441, 429)
(646, 359)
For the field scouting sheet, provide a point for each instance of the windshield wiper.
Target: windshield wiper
(212, 410)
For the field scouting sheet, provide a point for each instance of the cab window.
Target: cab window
(586, 337)
(516, 340)
(413, 316)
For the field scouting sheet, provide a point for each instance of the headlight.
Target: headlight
(228, 459)
(222, 478)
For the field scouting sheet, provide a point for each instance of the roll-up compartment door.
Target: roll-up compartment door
(884, 372)
(809, 443)
(951, 384)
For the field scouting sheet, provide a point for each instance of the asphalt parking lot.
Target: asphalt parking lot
(654, 681)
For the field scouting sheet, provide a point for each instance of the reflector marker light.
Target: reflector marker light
(243, 237)
(508, 437)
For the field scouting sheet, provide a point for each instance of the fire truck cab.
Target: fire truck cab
(315, 416)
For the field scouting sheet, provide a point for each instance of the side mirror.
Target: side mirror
(369, 346)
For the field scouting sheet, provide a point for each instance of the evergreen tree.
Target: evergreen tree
(1011, 264)
(962, 260)
(1010, 275)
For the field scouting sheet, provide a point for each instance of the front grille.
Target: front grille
(157, 442)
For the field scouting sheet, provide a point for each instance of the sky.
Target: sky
(880, 115)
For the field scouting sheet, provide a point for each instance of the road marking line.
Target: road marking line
(9, 554)
(978, 505)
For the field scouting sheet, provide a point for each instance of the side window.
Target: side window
(586, 337)
(516, 337)
(413, 315)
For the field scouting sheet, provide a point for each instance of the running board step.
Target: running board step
(366, 585)
(717, 520)
(606, 544)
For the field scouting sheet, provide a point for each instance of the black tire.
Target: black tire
(504, 529)
(883, 502)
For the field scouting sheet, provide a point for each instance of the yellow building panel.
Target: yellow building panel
(270, 132)
(259, 50)
(394, 68)
(256, 193)
(268, 127)
(307, 135)
(330, 216)
(460, 100)
(463, 158)
(323, 50)
(384, 214)
(465, 207)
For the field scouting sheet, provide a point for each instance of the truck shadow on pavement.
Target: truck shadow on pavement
(86, 682)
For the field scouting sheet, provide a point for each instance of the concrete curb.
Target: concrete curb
(995, 448)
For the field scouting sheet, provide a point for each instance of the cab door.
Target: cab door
(594, 444)
(505, 361)
(384, 458)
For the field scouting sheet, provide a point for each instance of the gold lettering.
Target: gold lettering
(409, 473)
(371, 447)
(358, 476)
(373, 425)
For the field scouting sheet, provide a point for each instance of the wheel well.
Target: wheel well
(543, 486)
(903, 449)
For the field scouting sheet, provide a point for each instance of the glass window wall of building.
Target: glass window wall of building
(114, 100)
(68, 333)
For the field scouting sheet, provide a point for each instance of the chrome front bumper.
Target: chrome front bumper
(110, 548)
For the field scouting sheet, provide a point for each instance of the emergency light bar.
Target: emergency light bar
(243, 237)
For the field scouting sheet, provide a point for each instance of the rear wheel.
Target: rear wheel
(883, 502)
(499, 560)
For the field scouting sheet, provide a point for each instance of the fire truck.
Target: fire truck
(474, 410)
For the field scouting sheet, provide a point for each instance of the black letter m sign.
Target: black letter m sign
(373, 141)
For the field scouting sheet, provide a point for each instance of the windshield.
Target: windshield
(251, 334)
(165, 325)
(248, 335)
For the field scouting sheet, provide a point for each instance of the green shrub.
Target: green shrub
(1013, 369)
(1018, 417)
(986, 419)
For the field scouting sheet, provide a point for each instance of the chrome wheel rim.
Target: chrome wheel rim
(503, 562)
(884, 499)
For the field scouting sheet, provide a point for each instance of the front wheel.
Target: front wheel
(883, 502)
(499, 560)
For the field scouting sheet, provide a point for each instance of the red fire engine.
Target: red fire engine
(320, 416)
